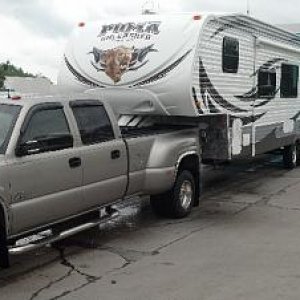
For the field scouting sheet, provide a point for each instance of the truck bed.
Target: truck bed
(134, 132)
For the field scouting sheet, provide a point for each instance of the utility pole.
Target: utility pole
(248, 7)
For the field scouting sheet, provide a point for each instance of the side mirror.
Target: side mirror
(28, 148)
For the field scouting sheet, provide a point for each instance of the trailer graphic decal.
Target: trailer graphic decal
(231, 24)
(253, 95)
(296, 116)
(265, 102)
(115, 62)
(248, 96)
(206, 86)
(251, 119)
(164, 72)
(196, 100)
(124, 32)
(270, 65)
(80, 77)
(207, 89)
(221, 29)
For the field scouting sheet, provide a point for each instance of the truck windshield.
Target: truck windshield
(8, 117)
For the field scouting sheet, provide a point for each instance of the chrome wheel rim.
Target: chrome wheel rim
(295, 155)
(186, 194)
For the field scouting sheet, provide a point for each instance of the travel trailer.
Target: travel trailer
(236, 76)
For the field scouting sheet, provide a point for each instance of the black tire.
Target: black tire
(4, 255)
(290, 156)
(178, 202)
(159, 204)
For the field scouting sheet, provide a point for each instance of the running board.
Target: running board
(110, 214)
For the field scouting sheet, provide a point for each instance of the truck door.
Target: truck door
(45, 182)
(104, 157)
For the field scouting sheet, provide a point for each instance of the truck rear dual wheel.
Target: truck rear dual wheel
(178, 202)
(291, 156)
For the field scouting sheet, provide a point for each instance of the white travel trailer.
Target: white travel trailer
(237, 76)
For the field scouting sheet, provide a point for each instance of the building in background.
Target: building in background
(21, 86)
(28, 85)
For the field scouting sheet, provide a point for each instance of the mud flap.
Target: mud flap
(214, 136)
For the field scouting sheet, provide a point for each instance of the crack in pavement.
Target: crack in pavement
(184, 237)
(68, 264)
(72, 269)
(95, 279)
(50, 284)
(265, 199)
(129, 255)
(284, 207)
(15, 276)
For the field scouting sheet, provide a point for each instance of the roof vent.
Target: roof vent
(150, 8)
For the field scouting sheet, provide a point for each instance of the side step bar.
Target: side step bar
(109, 214)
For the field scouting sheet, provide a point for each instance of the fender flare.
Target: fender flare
(181, 157)
(198, 174)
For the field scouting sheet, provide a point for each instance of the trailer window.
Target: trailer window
(231, 55)
(289, 81)
(266, 83)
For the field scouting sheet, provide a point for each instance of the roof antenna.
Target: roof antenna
(150, 7)
(248, 7)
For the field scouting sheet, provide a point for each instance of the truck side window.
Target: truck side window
(289, 81)
(46, 123)
(231, 55)
(93, 123)
(266, 83)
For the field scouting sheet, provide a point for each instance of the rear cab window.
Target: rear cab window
(93, 122)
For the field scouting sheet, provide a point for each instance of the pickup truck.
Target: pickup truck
(65, 162)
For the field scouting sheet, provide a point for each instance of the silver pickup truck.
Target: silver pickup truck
(64, 162)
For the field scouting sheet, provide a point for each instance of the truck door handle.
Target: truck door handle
(115, 154)
(75, 162)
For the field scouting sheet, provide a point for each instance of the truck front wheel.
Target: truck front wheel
(179, 201)
(4, 255)
(290, 156)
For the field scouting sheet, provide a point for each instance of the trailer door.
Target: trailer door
(253, 134)
(266, 83)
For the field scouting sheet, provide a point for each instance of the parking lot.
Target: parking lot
(243, 242)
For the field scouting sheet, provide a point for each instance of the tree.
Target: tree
(8, 69)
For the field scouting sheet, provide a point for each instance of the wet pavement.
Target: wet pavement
(243, 242)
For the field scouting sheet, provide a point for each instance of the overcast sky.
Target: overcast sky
(34, 32)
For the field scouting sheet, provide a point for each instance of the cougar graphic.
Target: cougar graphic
(115, 62)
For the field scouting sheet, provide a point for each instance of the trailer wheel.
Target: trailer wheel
(290, 156)
(178, 202)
